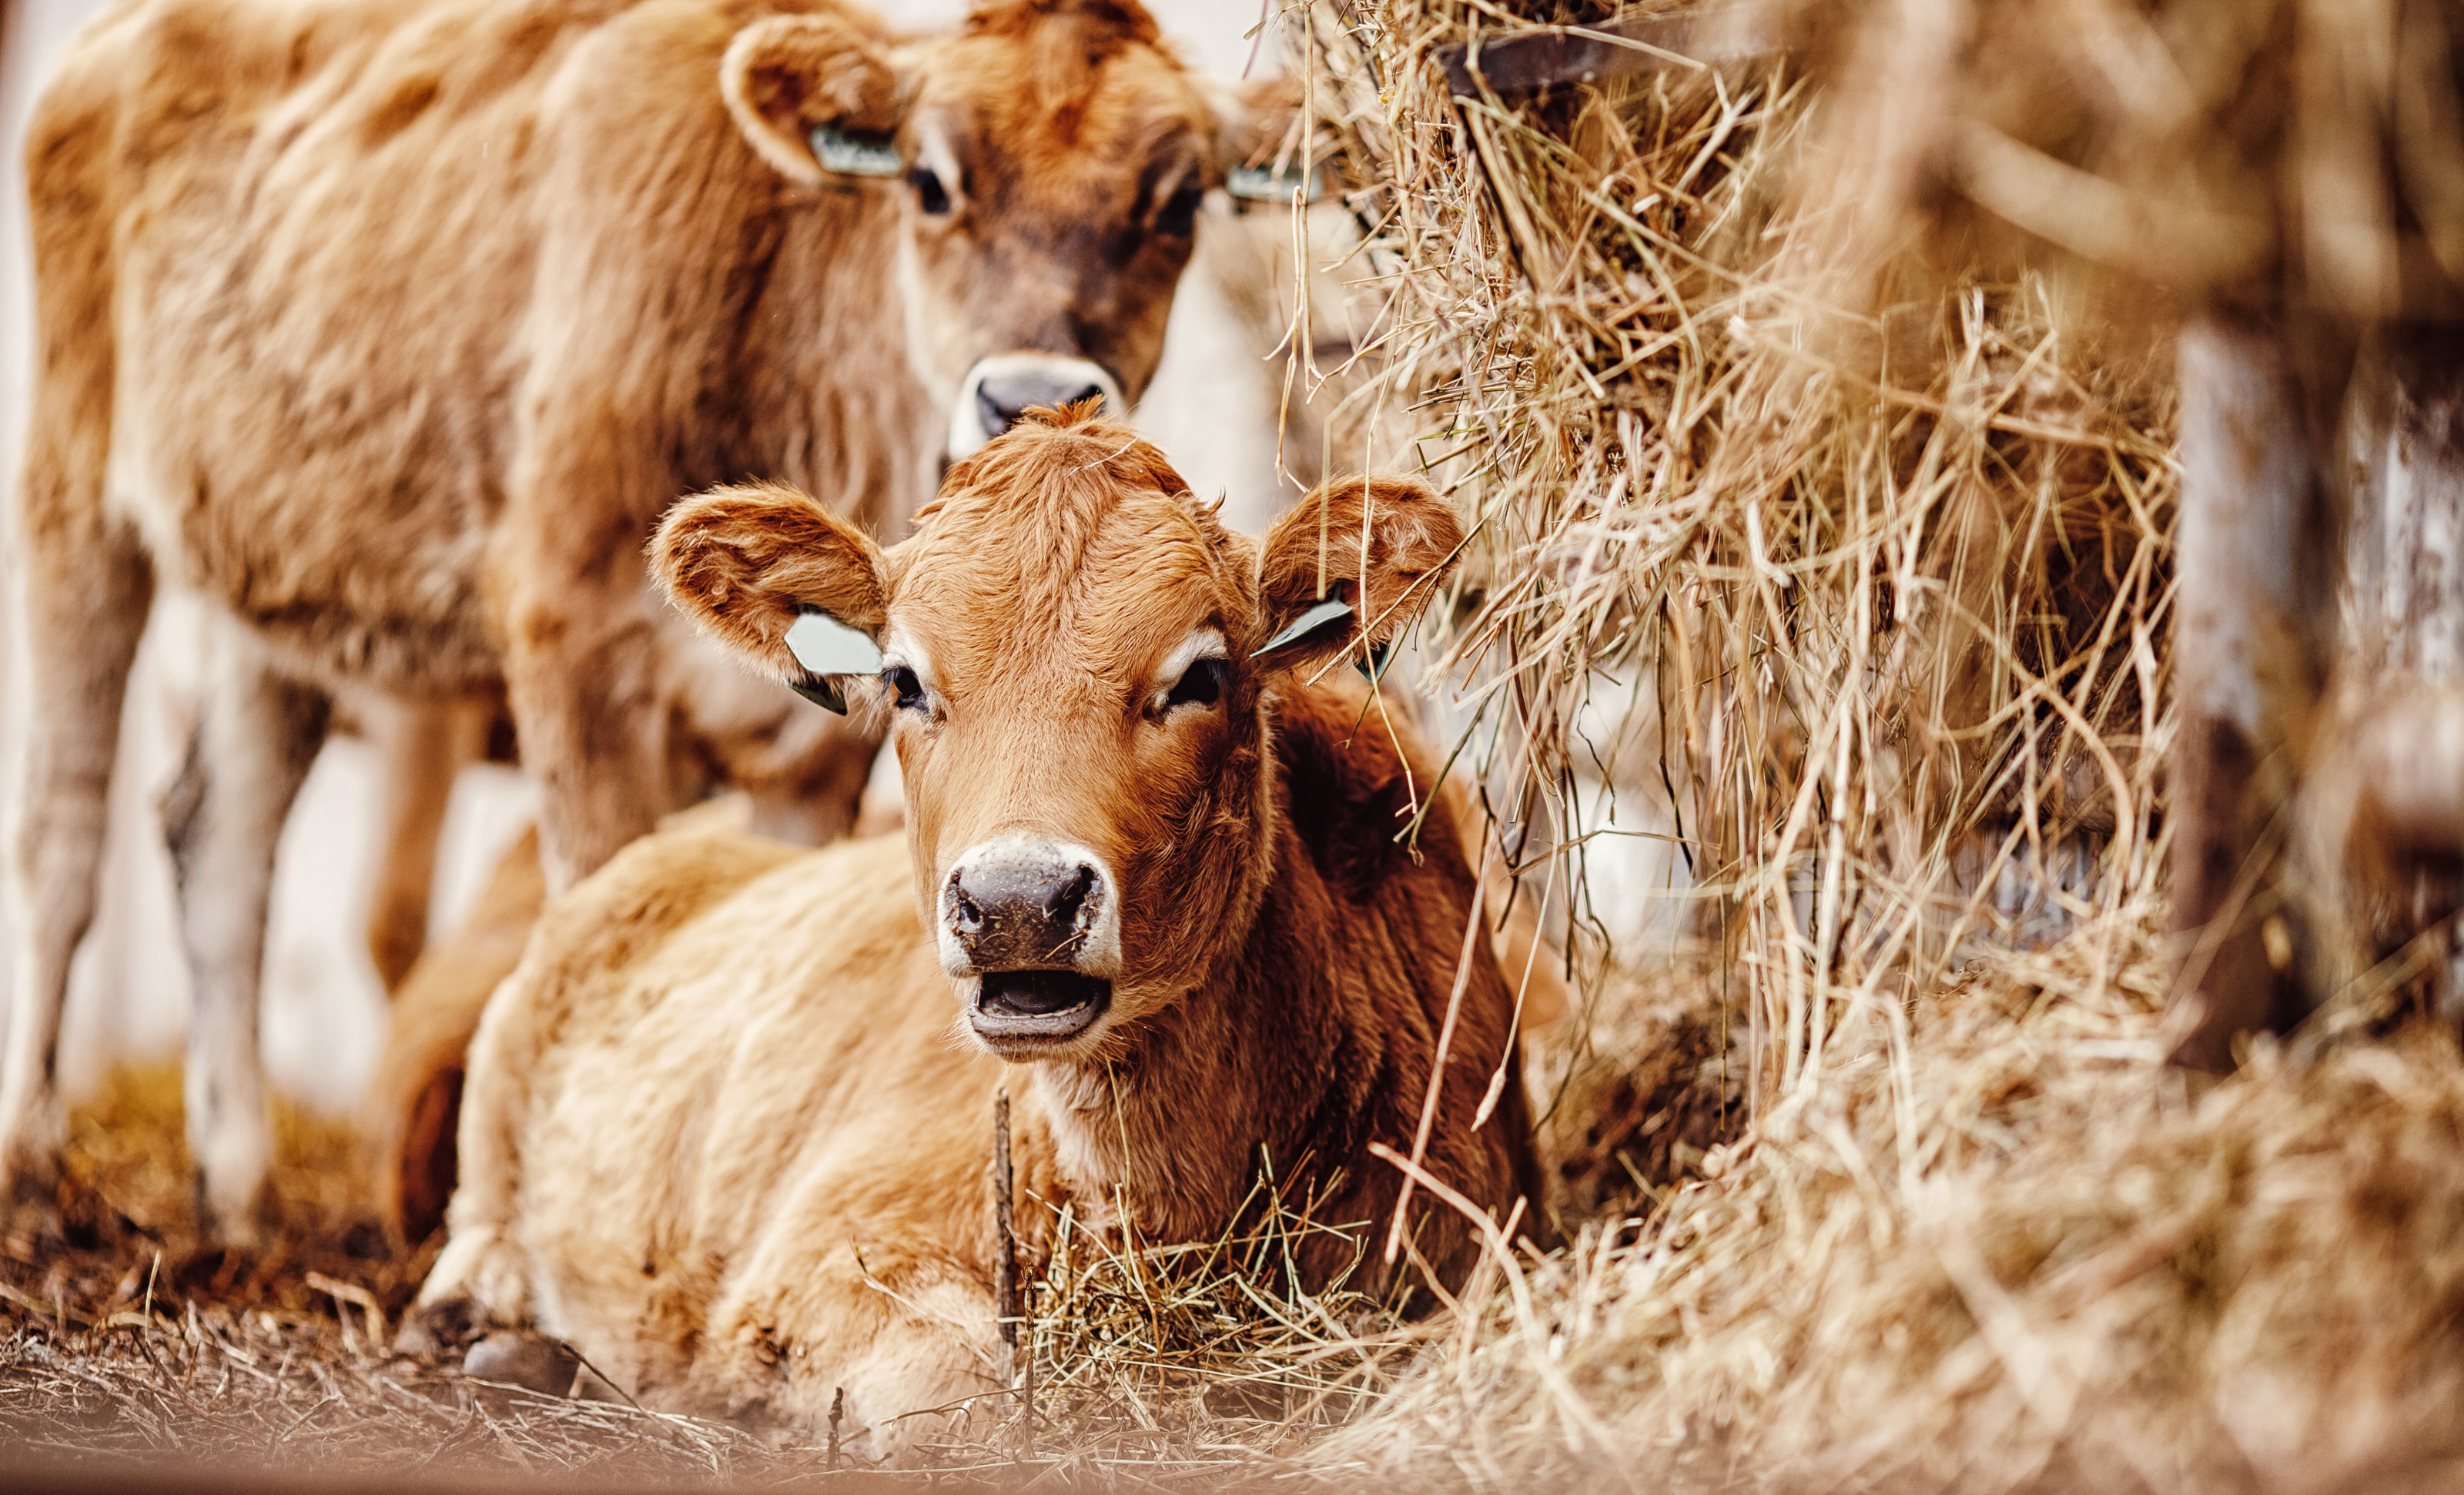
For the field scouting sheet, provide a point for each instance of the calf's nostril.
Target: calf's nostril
(988, 409)
(1070, 897)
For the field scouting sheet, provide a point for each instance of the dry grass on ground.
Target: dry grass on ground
(127, 1340)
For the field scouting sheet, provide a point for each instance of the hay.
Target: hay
(1840, 522)
(2027, 1260)
(1191, 1364)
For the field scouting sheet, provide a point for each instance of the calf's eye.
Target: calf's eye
(1202, 684)
(930, 195)
(904, 684)
(1179, 217)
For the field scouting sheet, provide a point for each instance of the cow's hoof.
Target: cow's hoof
(244, 1223)
(514, 1358)
(434, 1328)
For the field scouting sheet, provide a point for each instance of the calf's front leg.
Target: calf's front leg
(910, 1337)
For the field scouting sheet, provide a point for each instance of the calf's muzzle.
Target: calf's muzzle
(999, 389)
(1031, 929)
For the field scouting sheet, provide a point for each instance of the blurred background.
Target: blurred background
(1213, 406)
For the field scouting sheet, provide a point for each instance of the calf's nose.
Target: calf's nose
(1000, 399)
(1014, 914)
(1028, 903)
(1001, 388)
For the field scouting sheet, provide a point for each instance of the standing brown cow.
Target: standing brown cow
(725, 1126)
(389, 328)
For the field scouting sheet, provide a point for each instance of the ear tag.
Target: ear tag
(1305, 625)
(857, 155)
(1271, 183)
(826, 647)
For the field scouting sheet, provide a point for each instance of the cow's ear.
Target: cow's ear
(787, 78)
(1348, 567)
(774, 576)
(1258, 124)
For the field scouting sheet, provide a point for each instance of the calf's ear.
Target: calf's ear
(1348, 569)
(803, 88)
(768, 572)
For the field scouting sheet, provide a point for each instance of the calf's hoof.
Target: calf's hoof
(516, 1358)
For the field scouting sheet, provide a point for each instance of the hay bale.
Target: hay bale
(1886, 590)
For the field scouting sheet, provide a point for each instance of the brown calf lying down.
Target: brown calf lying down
(413, 1104)
(726, 1128)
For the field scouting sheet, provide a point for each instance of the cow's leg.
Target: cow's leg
(580, 669)
(2249, 575)
(900, 1335)
(422, 746)
(87, 587)
(482, 1280)
(256, 738)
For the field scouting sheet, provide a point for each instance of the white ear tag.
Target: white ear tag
(827, 646)
(1302, 626)
(857, 155)
(1269, 185)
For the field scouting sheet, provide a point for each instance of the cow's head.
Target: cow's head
(1052, 158)
(1078, 658)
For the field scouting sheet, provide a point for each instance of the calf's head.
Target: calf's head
(1080, 662)
(1052, 158)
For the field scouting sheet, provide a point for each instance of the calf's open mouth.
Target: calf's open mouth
(1038, 1005)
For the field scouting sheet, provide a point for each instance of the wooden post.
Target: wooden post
(2257, 572)
(1005, 1246)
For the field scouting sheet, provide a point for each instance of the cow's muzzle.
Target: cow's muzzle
(1031, 928)
(997, 390)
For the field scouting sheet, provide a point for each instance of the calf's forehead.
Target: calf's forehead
(1057, 117)
(1095, 592)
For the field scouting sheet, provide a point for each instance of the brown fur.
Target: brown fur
(415, 1099)
(718, 1130)
(389, 328)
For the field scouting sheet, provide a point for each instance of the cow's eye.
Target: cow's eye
(1202, 684)
(1179, 216)
(930, 195)
(904, 684)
